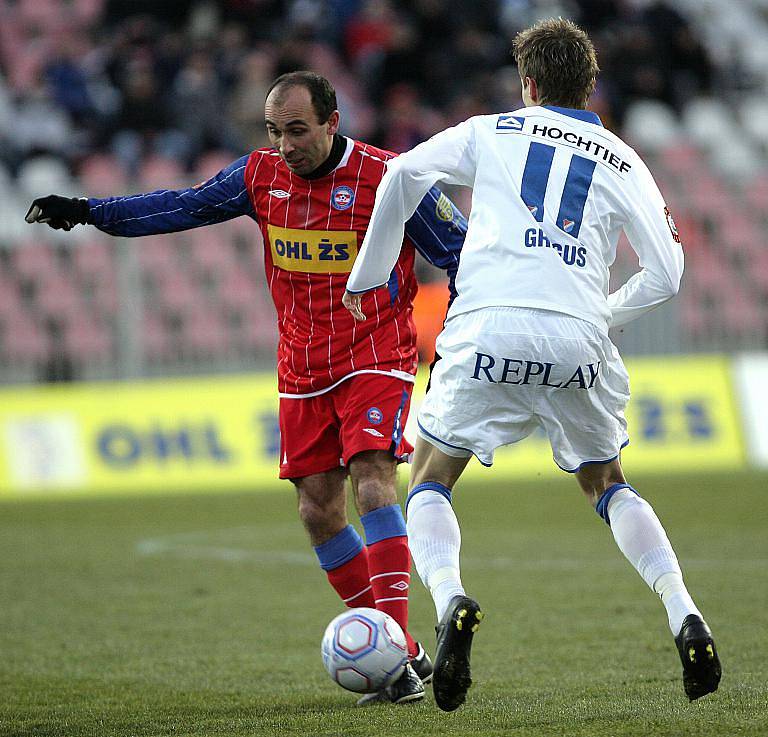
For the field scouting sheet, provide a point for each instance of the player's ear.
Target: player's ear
(533, 89)
(333, 123)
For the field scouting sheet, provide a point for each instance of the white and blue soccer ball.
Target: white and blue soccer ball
(364, 650)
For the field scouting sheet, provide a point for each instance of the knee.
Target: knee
(374, 479)
(597, 481)
(321, 516)
(431, 474)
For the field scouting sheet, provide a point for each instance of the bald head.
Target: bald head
(301, 136)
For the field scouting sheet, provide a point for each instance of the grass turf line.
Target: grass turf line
(200, 615)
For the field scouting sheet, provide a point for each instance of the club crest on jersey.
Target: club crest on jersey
(342, 197)
(672, 226)
(510, 123)
(279, 193)
(568, 225)
(444, 209)
(375, 416)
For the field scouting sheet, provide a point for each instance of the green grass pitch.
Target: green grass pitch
(202, 615)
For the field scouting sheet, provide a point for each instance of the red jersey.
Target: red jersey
(312, 230)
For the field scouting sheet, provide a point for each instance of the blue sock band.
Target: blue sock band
(383, 523)
(340, 549)
(602, 503)
(429, 486)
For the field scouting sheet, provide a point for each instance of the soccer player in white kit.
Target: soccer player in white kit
(525, 343)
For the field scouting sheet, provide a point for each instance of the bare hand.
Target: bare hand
(353, 303)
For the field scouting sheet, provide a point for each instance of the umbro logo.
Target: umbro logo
(281, 193)
(372, 431)
(399, 586)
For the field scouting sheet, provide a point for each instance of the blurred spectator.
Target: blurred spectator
(197, 101)
(143, 122)
(247, 98)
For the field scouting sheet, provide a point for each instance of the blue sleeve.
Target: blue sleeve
(221, 198)
(437, 230)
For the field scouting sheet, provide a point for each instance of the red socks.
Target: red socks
(389, 565)
(352, 582)
(377, 576)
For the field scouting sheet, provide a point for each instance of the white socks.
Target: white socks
(642, 539)
(435, 540)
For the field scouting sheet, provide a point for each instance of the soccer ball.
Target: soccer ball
(364, 650)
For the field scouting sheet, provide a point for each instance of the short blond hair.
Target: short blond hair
(561, 58)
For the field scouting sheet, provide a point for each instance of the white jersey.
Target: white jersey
(552, 191)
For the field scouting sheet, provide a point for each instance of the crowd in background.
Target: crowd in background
(101, 97)
(177, 78)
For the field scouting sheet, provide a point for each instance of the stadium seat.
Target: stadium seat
(88, 339)
(44, 175)
(756, 192)
(94, 258)
(157, 254)
(681, 158)
(24, 341)
(102, 175)
(238, 289)
(40, 13)
(739, 160)
(204, 332)
(211, 251)
(708, 121)
(753, 115)
(159, 172)
(177, 291)
(651, 125)
(88, 11)
(57, 296)
(33, 259)
(156, 340)
(212, 162)
(742, 315)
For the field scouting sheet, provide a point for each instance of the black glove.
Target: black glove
(60, 213)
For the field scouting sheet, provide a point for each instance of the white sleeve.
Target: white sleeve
(446, 157)
(652, 235)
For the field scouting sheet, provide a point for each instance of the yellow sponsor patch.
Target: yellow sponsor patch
(313, 251)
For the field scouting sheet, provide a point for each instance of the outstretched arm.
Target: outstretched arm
(221, 198)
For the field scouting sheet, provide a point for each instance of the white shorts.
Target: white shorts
(505, 371)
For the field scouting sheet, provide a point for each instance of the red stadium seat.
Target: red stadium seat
(10, 299)
(56, 296)
(158, 172)
(33, 259)
(212, 253)
(102, 175)
(94, 258)
(177, 292)
(239, 290)
(204, 332)
(24, 341)
(157, 254)
(211, 163)
(88, 339)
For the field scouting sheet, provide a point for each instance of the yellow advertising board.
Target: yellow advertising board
(211, 434)
(171, 435)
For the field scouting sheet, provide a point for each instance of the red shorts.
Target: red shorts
(365, 412)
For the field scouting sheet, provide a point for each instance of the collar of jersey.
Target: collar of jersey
(586, 115)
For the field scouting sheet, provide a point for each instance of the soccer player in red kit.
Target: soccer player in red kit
(344, 386)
